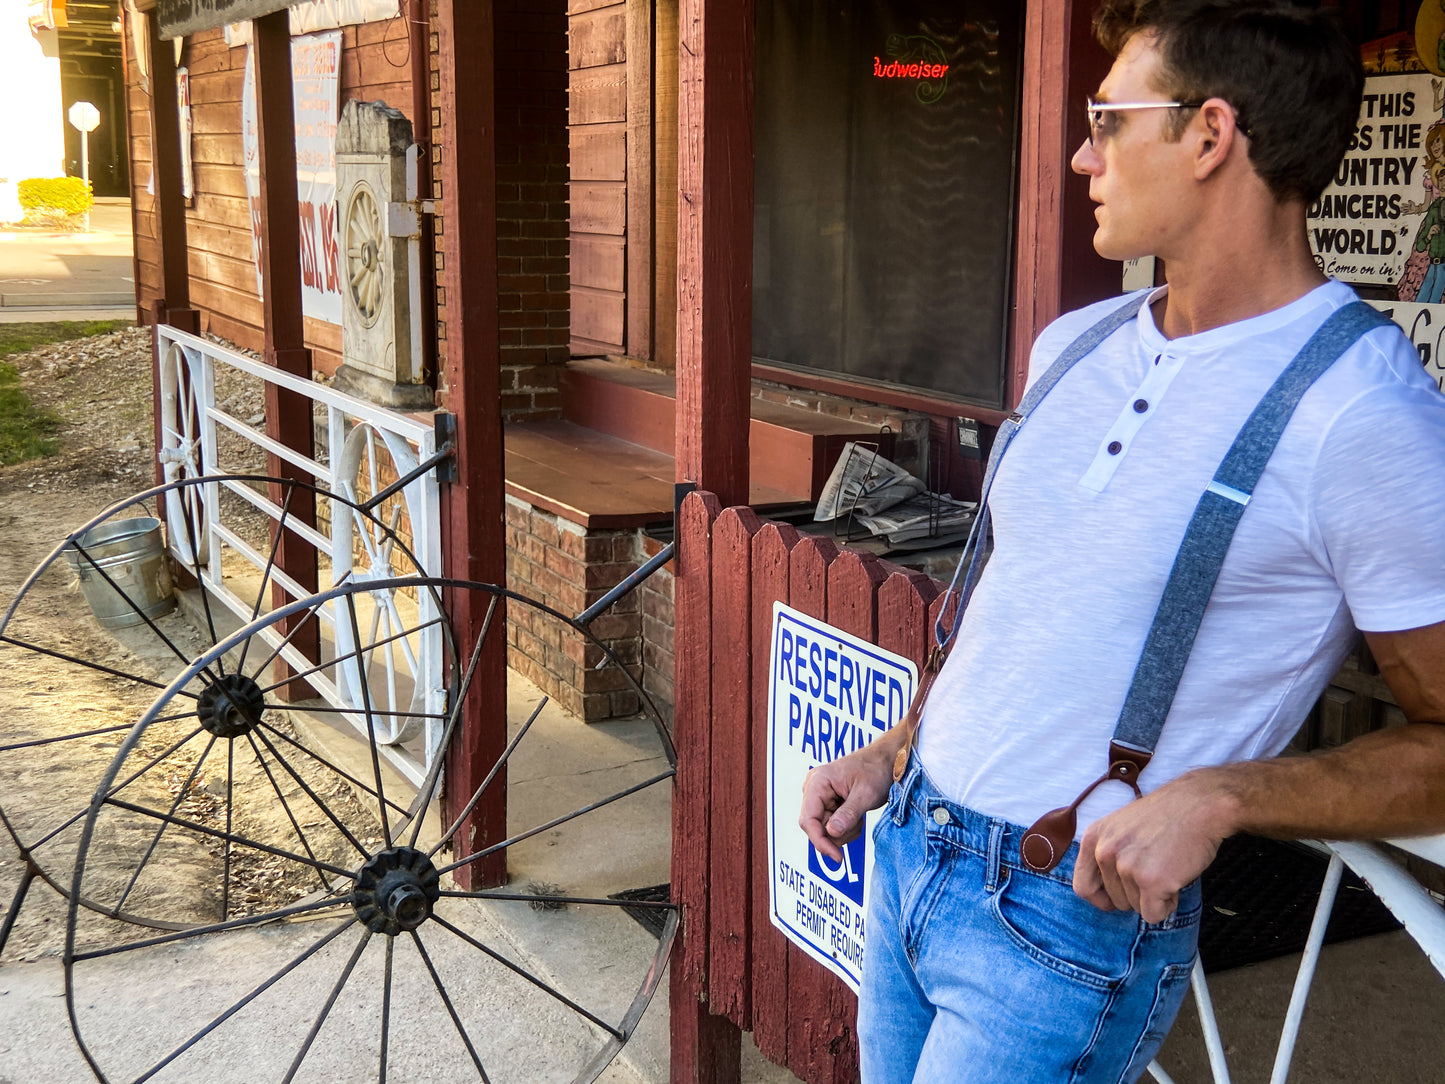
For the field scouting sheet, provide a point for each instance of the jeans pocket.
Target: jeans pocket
(1169, 994)
(1061, 931)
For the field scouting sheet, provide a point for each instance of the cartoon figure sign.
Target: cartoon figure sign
(829, 694)
(1366, 228)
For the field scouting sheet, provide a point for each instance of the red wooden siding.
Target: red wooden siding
(375, 66)
(597, 59)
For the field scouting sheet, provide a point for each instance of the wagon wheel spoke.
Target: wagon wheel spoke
(346, 657)
(315, 799)
(193, 544)
(280, 534)
(181, 793)
(240, 1003)
(385, 1012)
(370, 721)
(326, 885)
(138, 608)
(502, 895)
(226, 837)
(327, 764)
(286, 641)
(527, 976)
(155, 760)
(88, 664)
(451, 1009)
(326, 1009)
(557, 822)
(36, 743)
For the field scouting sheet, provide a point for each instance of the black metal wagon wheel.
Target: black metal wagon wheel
(371, 962)
(78, 688)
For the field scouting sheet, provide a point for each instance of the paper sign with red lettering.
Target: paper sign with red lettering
(315, 67)
(829, 694)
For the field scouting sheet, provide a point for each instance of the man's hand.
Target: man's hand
(836, 795)
(1139, 857)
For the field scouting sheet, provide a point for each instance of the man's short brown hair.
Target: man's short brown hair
(1290, 72)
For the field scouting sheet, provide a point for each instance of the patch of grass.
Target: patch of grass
(18, 338)
(26, 432)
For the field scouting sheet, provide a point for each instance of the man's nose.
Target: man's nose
(1086, 159)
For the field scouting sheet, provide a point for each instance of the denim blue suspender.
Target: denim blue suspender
(970, 560)
(1196, 566)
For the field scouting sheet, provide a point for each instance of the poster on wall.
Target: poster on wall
(187, 129)
(315, 68)
(1380, 225)
(1379, 222)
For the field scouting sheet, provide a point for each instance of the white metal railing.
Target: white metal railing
(405, 673)
(1411, 904)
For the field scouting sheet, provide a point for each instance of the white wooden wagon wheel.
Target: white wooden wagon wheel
(93, 681)
(181, 452)
(365, 549)
(365, 245)
(371, 962)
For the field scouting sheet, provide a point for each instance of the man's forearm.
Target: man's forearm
(1387, 783)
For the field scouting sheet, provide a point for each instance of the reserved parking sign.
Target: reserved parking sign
(829, 694)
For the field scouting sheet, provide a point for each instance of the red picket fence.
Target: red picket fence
(731, 567)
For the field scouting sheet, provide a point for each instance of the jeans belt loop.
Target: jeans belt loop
(995, 855)
(905, 792)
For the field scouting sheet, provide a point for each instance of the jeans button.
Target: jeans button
(940, 816)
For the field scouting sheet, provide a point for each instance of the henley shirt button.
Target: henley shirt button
(940, 816)
(1141, 405)
(1115, 447)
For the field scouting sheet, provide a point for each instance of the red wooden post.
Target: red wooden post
(715, 246)
(168, 213)
(169, 204)
(705, 1048)
(474, 543)
(903, 603)
(288, 415)
(772, 547)
(1055, 263)
(730, 904)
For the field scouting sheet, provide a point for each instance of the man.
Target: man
(1216, 127)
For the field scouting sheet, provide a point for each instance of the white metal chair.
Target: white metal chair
(1414, 907)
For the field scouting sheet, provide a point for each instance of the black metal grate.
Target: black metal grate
(1259, 900)
(653, 919)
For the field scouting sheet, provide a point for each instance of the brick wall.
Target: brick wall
(532, 215)
(655, 596)
(532, 177)
(568, 568)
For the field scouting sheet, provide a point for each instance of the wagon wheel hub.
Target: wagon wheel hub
(395, 891)
(231, 706)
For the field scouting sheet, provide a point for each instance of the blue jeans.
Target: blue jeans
(1432, 289)
(980, 971)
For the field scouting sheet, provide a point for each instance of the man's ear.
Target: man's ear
(1216, 132)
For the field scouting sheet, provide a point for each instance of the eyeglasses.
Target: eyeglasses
(1098, 114)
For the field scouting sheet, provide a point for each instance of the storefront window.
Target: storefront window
(887, 133)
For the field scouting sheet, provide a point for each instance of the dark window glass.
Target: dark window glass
(886, 141)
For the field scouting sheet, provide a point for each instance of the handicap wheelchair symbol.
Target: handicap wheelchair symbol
(847, 876)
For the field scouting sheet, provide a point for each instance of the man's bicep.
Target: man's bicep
(1412, 662)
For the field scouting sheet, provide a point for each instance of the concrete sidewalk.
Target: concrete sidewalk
(48, 276)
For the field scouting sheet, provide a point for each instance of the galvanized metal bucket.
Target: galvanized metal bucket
(131, 553)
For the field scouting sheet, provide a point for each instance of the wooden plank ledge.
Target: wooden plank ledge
(595, 479)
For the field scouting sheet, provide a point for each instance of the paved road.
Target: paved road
(58, 276)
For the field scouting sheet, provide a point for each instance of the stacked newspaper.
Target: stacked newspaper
(865, 486)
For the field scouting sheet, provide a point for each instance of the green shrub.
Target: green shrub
(51, 197)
